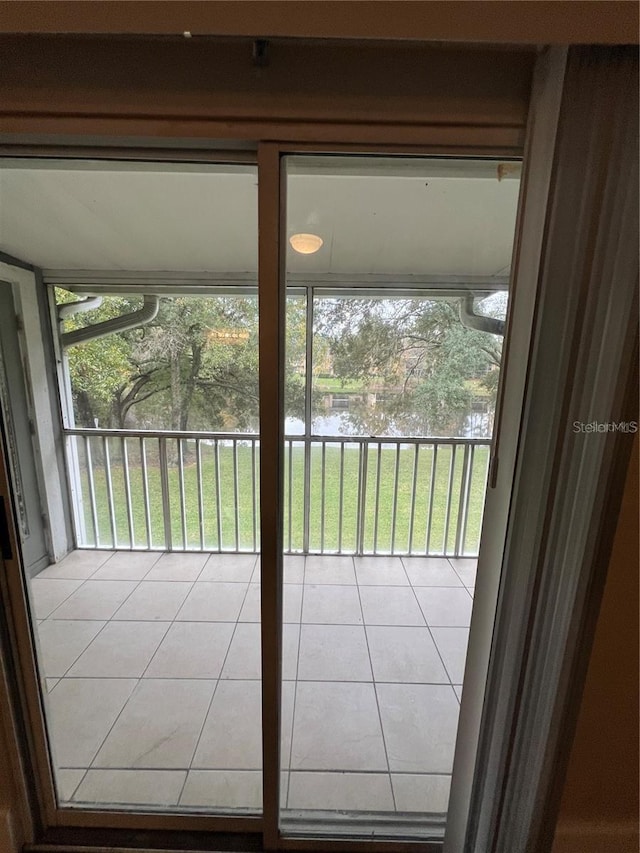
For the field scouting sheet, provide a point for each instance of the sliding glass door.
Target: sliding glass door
(404, 265)
(274, 409)
(145, 614)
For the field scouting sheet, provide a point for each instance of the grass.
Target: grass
(229, 494)
(336, 385)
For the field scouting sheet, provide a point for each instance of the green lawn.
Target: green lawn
(335, 384)
(226, 508)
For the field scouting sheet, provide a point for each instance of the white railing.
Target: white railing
(193, 491)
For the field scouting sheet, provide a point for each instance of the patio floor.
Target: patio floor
(152, 666)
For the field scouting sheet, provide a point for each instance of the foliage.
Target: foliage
(98, 368)
(195, 366)
(408, 365)
(418, 354)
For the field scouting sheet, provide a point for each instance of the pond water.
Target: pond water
(477, 425)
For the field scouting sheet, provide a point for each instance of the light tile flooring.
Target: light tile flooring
(151, 664)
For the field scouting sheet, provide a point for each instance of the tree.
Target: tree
(195, 366)
(423, 365)
(100, 368)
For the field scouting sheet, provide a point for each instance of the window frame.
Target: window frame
(82, 828)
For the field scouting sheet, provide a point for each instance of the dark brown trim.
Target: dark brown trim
(539, 22)
(271, 300)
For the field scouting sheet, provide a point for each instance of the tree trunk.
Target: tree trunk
(176, 391)
(189, 385)
(84, 409)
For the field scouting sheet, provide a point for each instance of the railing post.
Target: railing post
(414, 481)
(452, 465)
(458, 527)
(216, 468)
(376, 505)
(109, 481)
(254, 502)
(201, 496)
(236, 495)
(341, 498)
(432, 486)
(164, 485)
(181, 494)
(127, 490)
(362, 496)
(463, 502)
(307, 494)
(92, 492)
(145, 490)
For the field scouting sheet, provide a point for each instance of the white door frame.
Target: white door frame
(569, 473)
(523, 294)
(39, 378)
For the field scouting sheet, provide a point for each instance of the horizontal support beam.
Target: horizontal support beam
(329, 284)
(397, 90)
(539, 22)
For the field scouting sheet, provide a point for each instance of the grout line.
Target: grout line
(342, 771)
(315, 770)
(375, 693)
(155, 562)
(256, 622)
(131, 694)
(433, 640)
(176, 618)
(155, 651)
(95, 637)
(106, 562)
(236, 622)
(31, 599)
(117, 717)
(257, 680)
(456, 571)
(295, 688)
(234, 581)
(134, 619)
(94, 619)
(70, 798)
(215, 690)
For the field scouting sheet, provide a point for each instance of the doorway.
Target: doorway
(18, 418)
(402, 266)
(160, 601)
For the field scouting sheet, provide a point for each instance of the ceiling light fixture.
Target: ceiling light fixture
(305, 244)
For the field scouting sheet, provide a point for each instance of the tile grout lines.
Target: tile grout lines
(295, 688)
(375, 691)
(215, 689)
(299, 622)
(433, 639)
(138, 679)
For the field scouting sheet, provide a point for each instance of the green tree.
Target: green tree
(98, 368)
(195, 366)
(423, 365)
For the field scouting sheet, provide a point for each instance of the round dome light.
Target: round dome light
(305, 244)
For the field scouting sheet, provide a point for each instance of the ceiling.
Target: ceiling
(375, 216)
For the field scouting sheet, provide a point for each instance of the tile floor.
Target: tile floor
(152, 668)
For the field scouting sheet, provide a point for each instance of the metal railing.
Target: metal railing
(183, 491)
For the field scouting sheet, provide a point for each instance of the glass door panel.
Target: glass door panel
(405, 265)
(147, 621)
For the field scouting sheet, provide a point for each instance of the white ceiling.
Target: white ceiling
(426, 218)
